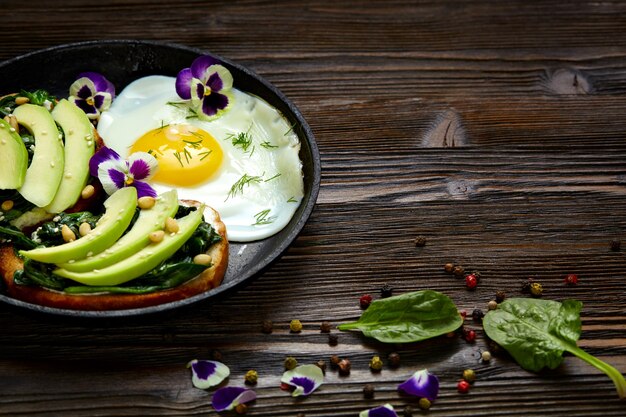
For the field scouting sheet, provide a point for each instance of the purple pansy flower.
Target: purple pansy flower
(92, 93)
(421, 384)
(382, 411)
(207, 374)
(115, 173)
(305, 379)
(227, 398)
(207, 85)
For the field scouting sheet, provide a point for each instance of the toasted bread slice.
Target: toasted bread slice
(210, 278)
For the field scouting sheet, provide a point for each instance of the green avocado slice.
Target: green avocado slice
(120, 208)
(13, 158)
(135, 239)
(143, 261)
(44, 174)
(79, 148)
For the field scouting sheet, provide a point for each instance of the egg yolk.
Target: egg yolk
(186, 155)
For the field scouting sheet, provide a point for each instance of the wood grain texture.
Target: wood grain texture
(494, 129)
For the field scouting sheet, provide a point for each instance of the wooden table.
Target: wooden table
(496, 130)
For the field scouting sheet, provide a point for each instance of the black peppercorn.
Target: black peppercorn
(322, 365)
(344, 366)
(449, 267)
(458, 271)
(408, 411)
(333, 339)
(615, 245)
(478, 315)
(386, 290)
(325, 327)
(500, 296)
(334, 361)
(526, 285)
(394, 360)
(267, 326)
(420, 241)
(241, 409)
(368, 391)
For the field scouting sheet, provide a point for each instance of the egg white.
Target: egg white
(143, 106)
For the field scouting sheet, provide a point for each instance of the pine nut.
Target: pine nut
(146, 203)
(84, 229)
(171, 225)
(68, 235)
(87, 192)
(21, 100)
(12, 121)
(156, 237)
(202, 259)
(7, 205)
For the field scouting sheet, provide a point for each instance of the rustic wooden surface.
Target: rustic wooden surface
(495, 129)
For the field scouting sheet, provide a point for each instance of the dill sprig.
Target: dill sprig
(262, 218)
(290, 129)
(268, 145)
(274, 177)
(242, 140)
(177, 155)
(187, 155)
(292, 200)
(242, 182)
(176, 103)
(205, 154)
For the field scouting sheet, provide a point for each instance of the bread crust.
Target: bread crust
(208, 279)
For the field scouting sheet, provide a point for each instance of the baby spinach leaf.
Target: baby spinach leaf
(409, 317)
(537, 332)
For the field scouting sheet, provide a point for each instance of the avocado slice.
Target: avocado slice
(79, 148)
(141, 262)
(135, 239)
(44, 174)
(13, 158)
(120, 208)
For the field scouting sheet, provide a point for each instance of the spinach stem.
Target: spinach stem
(614, 374)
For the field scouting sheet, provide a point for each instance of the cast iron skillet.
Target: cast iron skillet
(122, 62)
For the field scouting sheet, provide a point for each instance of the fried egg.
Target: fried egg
(244, 164)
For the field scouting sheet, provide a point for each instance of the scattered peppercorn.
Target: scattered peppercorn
(290, 363)
(344, 366)
(420, 241)
(469, 335)
(478, 315)
(463, 387)
(458, 271)
(449, 267)
(376, 364)
(477, 275)
(492, 305)
(500, 296)
(333, 339)
(334, 361)
(615, 245)
(368, 391)
(386, 291)
(471, 282)
(469, 375)
(322, 365)
(365, 301)
(325, 327)
(267, 326)
(241, 409)
(424, 403)
(571, 280)
(251, 377)
(394, 359)
(408, 411)
(295, 326)
(536, 289)
(463, 314)
(216, 355)
(526, 285)
(485, 356)
(285, 387)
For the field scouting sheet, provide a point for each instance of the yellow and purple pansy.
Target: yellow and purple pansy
(227, 398)
(207, 84)
(206, 374)
(421, 384)
(92, 93)
(382, 411)
(304, 379)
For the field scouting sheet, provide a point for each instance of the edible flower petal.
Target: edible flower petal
(206, 374)
(92, 93)
(382, 411)
(421, 384)
(115, 173)
(305, 379)
(227, 398)
(207, 84)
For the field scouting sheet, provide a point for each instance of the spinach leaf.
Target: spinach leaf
(7, 104)
(537, 332)
(37, 97)
(20, 205)
(16, 237)
(37, 273)
(408, 317)
(50, 232)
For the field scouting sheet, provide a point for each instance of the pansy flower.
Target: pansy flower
(382, 411)
(305, 379)
(92, 93)
(227, 398)
(207, 84)
(207, 374)
(115, 173)
(422, 384)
